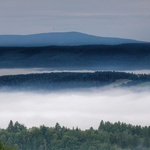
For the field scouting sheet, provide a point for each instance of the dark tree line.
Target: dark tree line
(64, 80)
(108, 136)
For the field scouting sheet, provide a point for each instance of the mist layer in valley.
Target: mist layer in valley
(17, 71)
(81, 108)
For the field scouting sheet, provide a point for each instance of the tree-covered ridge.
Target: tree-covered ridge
(65, 80)
(97, 57)
(108, 136)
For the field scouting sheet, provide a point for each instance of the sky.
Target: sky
(108, 18)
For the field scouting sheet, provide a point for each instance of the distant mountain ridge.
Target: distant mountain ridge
(60, 39)
(88, 57)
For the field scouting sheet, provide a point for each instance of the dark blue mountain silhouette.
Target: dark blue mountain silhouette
(60, 39)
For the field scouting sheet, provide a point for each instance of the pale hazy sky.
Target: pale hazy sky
(115, 18)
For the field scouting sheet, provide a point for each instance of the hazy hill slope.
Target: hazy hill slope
(68, 80)
(61, 39)
(106, 57)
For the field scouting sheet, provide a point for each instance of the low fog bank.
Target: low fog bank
(16, 71)
(76, 108)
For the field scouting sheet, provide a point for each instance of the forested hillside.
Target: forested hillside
(108, 136)
(95, 57)
(68, 80)
(5, 147)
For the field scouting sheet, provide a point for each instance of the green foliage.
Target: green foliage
(5, 147)
(108, 136)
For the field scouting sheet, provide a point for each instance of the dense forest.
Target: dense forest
(108, 136)
(95, 57)
(5, 147)
(67, 80)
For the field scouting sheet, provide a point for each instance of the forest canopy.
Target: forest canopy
(108, 136)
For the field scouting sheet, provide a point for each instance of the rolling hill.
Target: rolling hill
(94, 57)
(59, 39)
